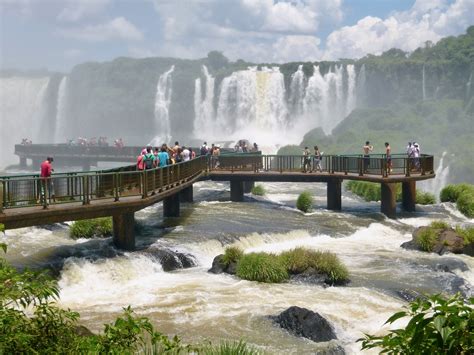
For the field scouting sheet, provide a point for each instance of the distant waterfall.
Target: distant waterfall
(351, 87)
(297, 89)
(424, 83)
(361, 87)
(468, 87)
(436, 185)
(204, 104)
(164, 90)
(22, 109)
(61, 114)
(252, 100)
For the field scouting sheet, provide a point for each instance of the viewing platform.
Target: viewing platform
(122, 191)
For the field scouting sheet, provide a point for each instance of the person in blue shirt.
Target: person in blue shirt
(163, 157)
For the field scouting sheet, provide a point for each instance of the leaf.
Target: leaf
(396, 316)
(439, 322)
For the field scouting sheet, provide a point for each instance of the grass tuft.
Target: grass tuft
(232, 255)
(258, 190)
(304, 202)
(88, 228)
(261, 267)
(439, 225)
(427, 239)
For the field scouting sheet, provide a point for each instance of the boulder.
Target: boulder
(171, 260)
(218, 266)
(308, 324)
(83, 331)
(448, 241)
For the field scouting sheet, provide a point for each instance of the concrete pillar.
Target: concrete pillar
(23, 162)
(36, 163)
(409, 195)
(248, 186)
(171, 206)
(334, 194)
(124, 234)
(389, 199)
(236, 191)
(186, 194)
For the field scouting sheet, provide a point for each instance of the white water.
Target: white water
(468, 87)
(22, 108)
(60, 132)
(442, 174)
(297, 91)
(351, 89)
(361, 90)
(204, 104)
(164, 91)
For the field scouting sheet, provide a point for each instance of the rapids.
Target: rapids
(98, 281)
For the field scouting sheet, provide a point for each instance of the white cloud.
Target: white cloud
(76, 10)
(72, 53)
(296, 48)
(116, 29)
(427, 20)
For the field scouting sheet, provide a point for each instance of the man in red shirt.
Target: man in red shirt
(47, 187)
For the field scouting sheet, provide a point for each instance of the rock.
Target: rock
(450, 264)
(171, 260)
(313, 277)
(408, 295)
(83, 331)
(448, 241)
(410, 245)
(218, 266)
(305, 323)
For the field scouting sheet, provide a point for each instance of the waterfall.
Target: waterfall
(361, 89)
(468, 88)
(436, 185)
(23, 103)
(316, 97)
(204, 104)
(351, 87)
(61, 113)
(424, 83)
(297, 89)
(252, 100)
(164, 90)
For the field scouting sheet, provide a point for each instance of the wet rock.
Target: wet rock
(308, 324)
(408, 295)
(83, 331)
(332, 350)
(451, 264)
(218, 266)
(312, 276)
(171, 260)
(447, 241)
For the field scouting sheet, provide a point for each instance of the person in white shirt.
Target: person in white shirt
(186, 154)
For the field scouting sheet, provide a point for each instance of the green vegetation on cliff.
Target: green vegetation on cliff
(462, 194)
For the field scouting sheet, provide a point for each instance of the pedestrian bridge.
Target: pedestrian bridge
(122, 191)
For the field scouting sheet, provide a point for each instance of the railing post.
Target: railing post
(361, 166)
(178, 175)
(116, 186)
(144, 187)
(85, 190)
(422, 164)
(161, 179)
(4, 196)
(408, 166)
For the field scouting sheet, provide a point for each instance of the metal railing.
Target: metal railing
(123, 182)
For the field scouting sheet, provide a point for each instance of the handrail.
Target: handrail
(84, 187)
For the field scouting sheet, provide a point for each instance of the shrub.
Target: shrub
(258, 190)
(228, 348)
(298, 260)
(89, 228)
(425, 198)
(427, 239)
(467, 234)
(451, 192)
(261, 267)
(465, 204)
(437, 326)
(232, 255)
(439, 225)
(304, 202)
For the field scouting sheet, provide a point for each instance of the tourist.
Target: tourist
(255, 147)
(176, 147)
(185, 154)
(416, 156)
(193, 153)
(317, 160)
(148, 158)
(204, 149)
(155, 153)
(47, 186)
(388, 157)
(215, 156)
(306, 160)
(140, 163)
(367, 148)
(163, 157)
(245, 148)
(213, 147)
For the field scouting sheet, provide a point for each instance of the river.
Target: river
(98, 281)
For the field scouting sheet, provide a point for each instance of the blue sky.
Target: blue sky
(58, 34)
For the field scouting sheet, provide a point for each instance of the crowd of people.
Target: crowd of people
(95, 142)
(150, 158)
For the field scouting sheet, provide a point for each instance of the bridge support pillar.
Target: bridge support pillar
(186, 194)
(248, 186)
(124, 233)
(23, 162)
(236, 191)
(409, 195)
(389, 201)
(334, 194)
(36, 163)
(171, 206)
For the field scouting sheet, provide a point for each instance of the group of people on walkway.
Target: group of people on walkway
(150, 158)
(316, 157)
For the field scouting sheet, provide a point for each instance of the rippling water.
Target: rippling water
(98, 281)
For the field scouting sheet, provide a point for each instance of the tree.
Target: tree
(217, 60)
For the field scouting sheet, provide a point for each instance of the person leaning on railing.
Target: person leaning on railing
(47, 186)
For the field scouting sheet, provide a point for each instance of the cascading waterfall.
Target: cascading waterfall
(164, 90)
(297, 90)
(351, 87)
(436, 185)
(361, 89)
(468, 87)
(61, 107)
(204, 104)
(22, 108)
(252, 100)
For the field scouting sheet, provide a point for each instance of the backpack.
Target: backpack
(148, 160)
(203, 150)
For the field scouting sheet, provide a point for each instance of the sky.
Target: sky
(58, 34)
